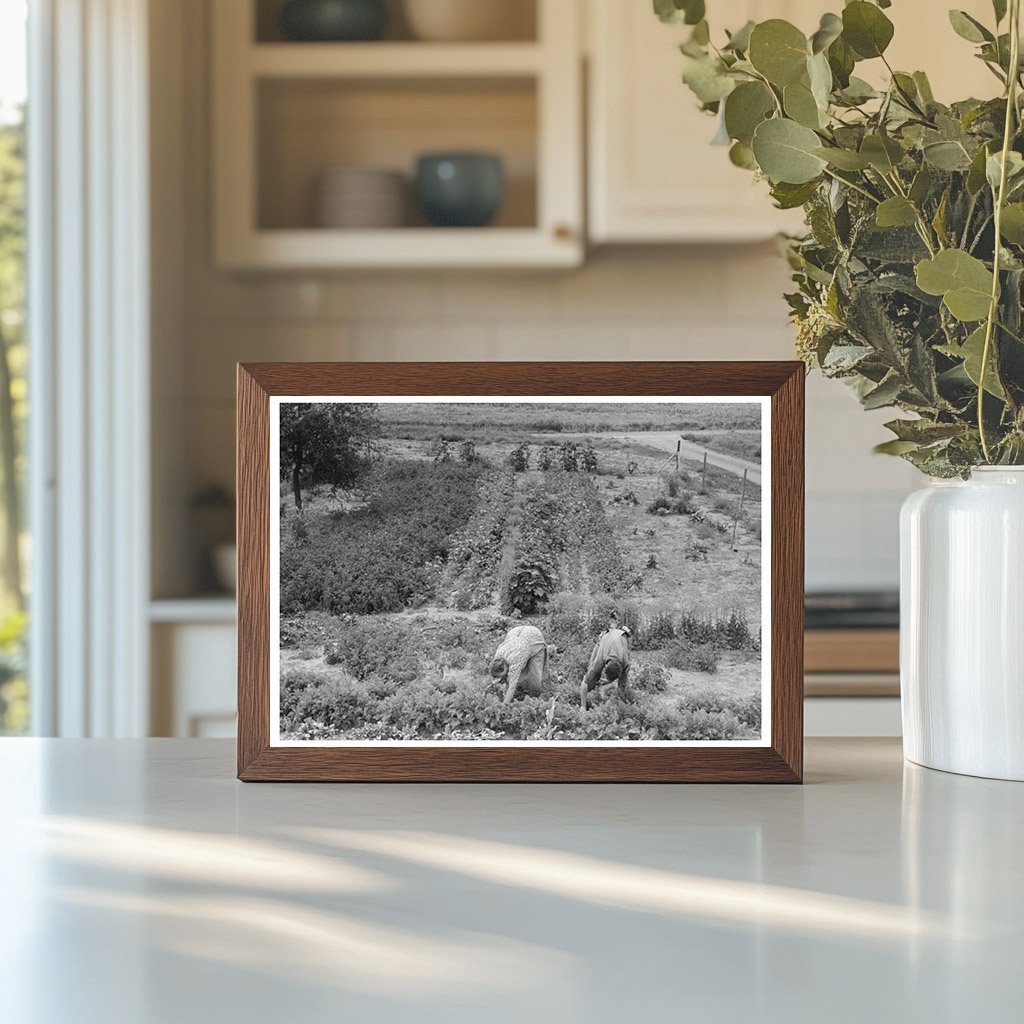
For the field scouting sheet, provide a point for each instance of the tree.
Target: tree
(325, 443)
(12, 350)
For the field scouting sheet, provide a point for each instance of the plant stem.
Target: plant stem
(993, 309)
(856, 188)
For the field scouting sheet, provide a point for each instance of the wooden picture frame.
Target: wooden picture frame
(778, 759)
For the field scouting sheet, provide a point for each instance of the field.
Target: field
(472, 518)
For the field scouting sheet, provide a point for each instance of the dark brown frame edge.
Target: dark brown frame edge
(780, 762)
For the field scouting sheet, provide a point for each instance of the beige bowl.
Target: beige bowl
(471, 20)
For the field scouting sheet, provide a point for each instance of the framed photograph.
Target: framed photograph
(512, 572)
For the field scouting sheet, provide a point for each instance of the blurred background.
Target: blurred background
(245, 180)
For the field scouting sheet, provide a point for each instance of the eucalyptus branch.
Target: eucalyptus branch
(1000, 200)
(850, 184)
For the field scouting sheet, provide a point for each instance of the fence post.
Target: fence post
(743, 493)
(678, 446)
(704, 475)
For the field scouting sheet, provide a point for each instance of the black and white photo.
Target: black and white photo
(520, 571)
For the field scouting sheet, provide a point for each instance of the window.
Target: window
(14, 550)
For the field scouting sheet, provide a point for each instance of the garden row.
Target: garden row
(314, 706)
(385, 556)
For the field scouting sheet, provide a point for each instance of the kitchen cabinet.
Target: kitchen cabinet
(653, 175)
(286, 113)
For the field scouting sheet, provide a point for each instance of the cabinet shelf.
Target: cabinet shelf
(286, 113)
(311, 248)
(393, 60)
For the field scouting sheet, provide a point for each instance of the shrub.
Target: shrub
(441, 450)
(367, 648)
(519, 458)
(696, 551)
(467, 452)
(546, 458)
(687, 658)
(659, 631)
(649, 678)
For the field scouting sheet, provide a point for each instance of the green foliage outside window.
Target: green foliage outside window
(13, 411)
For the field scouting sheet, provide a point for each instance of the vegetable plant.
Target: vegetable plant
(909, 279)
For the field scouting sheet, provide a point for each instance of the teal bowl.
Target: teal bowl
(460, 190)
(334, 21)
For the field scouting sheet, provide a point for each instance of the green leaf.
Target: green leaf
(896, 447)
(830, 29)
(883, 153)
(844, 159)
(971, 352)
(1012, 226)
(789, 197)
(739, 41)
(921, 185)
(708, 80)
(778, 50)
(741, 155)
(976, 174)
(785, 152)
(857, 92)
(923, 431)
(675, 12)
(963, 281)
(800, 105)
(969, 28)
(820, 76)
(896, 212)
(885, 394)
(841, 60)
(866, 29)
(1014, 169)
(924, 87)
(999, 7)
(746, 107)
(946, 156)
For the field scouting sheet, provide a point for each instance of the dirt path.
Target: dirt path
(665, 440)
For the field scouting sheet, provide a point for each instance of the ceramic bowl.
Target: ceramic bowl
(334, 20)
(460, 189)
(358, 197)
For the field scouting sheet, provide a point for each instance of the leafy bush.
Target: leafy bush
(648, 677)
(388, 554)
(657, 632)
(370, 647)
(696, 551)
(688, 658)
(519, 458)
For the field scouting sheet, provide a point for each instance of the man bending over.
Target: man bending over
(522, 662)
(608, 664)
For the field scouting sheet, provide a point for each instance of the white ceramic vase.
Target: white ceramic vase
(962, 624)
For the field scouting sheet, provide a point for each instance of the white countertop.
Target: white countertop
(143, 885)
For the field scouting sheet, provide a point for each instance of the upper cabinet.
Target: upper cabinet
(653, 174)
(316, 143)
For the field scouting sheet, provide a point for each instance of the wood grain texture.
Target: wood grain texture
(783, 382)
(852, 650)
